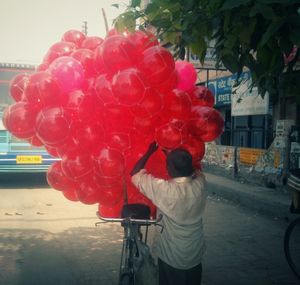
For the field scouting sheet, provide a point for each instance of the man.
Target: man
(181, 200)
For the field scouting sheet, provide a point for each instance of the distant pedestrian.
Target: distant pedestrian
(181, 200)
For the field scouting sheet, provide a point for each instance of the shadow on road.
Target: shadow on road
(21, 180)
(78, 256)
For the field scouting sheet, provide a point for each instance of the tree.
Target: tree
(259, 35)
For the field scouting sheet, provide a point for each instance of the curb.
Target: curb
(270, 202)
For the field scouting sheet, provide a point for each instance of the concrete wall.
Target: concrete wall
(258, 166)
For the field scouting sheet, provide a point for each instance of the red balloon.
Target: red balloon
(80, 106)
(42, 67)
(87, 59)
(177, 104)
(187, 75)
(88, 136)
(88, 192)
(111, 196)
(202, 96)
(103, 89)
(169, 84)
(17, 86)
(76, 165)
(57, 180)
(119, 141)
(195, 147)
(143, 40)
(108, 181)
(74, 36)
(118, 53)
(168, 136)
(43, 89)
(91, 42)
(35, 141)
(52, 151)
(57, 50)
(206, 123)
(68, 72)
(109, 162)
(157, 64)
(19, 119)
(117, 117)
(150, 105)
(129, 86)
(53, 126)
(146, 125)
(110, 212)
(70, 195)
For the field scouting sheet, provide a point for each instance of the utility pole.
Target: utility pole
(84, 27)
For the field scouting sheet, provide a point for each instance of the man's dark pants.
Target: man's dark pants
(169, 275)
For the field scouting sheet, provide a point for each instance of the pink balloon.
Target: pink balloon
(68, 72)
(74, 36)
(129, 86)
(187, 75)
(53, 126)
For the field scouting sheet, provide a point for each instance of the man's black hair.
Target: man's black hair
(180, 163)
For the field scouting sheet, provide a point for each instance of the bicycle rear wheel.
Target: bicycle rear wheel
(292, 246)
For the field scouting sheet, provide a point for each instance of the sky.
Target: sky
(29, 27)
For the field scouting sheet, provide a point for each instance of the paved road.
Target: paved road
(46, 239)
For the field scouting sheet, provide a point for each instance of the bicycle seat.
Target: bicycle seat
(136, 211)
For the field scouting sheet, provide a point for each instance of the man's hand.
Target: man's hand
(152, 147)
(140, 164)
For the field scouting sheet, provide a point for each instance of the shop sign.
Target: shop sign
(222, 88)
(245, 100)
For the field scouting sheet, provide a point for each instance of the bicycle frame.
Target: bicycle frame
(131, 257)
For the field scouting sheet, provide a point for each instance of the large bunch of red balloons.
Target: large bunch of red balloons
(98, 103)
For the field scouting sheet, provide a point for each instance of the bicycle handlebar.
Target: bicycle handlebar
(128, 219)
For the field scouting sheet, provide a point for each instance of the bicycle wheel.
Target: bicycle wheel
(292, 246)
(125, 280)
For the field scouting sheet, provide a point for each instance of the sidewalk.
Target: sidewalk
(271, 202)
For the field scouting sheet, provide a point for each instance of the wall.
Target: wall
(257, 166)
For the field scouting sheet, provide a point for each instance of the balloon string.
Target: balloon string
(105, 20)
(125, 196)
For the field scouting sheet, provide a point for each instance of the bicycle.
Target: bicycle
(134, 250)
(292, 233)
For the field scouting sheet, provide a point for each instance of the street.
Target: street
(46, 239)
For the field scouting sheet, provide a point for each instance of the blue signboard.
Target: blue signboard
(221, 88)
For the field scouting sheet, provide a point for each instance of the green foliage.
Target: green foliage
(252, 34)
